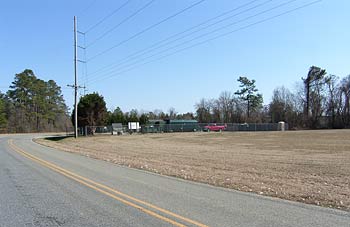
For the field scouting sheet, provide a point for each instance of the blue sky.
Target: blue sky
(38, 35)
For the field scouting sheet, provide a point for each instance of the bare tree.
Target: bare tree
(332, 105)
(172, 113)
(283, 107)
(203, 111)
(226, 106)
(345, 96)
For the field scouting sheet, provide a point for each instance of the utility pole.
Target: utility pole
(75, 79)
(76, 86)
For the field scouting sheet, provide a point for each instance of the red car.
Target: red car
(215, 128)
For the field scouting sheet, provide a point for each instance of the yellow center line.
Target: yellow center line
(92, 184)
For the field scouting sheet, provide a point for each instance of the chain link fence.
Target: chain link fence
(95, 130)
(207, 127)
(183, 127)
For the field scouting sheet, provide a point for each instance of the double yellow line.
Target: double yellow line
(108, 191)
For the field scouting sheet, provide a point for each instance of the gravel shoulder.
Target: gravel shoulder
(306, 166)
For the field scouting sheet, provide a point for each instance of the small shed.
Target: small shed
(117, 128)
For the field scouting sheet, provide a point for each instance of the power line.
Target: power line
(147, 29)
(211, 32)
(172, 36)
(157, 45)
(108, 16)
(85, 68)
(120, 23)
(211, 39)
(87, 7)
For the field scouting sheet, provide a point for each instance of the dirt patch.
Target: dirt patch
(306, 166)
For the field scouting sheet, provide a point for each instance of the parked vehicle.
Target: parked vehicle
(215, 128)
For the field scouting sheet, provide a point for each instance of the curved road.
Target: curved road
(40, 186)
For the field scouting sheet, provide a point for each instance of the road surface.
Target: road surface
(40, 186)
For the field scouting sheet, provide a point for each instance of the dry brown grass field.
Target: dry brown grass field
(306, 166)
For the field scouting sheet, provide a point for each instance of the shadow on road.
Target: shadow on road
(57, 138)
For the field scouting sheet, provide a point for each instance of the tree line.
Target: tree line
(92, 111)
(322, 101)
(33, 105)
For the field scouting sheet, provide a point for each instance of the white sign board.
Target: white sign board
(133, 125)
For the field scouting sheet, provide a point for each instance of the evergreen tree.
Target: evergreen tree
(35, 104)
(3, 118)
(116, 117)
(144, 119)
(92, 110)
(248, 94)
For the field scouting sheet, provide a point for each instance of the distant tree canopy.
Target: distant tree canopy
(92, 110)
(283, 107)
(117, 116)
(33, 105)
(143, 119)
(203, 111)
(323, 101)
(245, 105)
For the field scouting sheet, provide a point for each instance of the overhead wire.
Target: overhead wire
(108, 16)
(85, 68)
(173, 36)
(120, 23)
(211, 39)
(87, 7)
(147, 29)
(160, 44)
(211, 32)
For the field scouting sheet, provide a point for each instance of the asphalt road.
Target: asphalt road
(41, 186)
